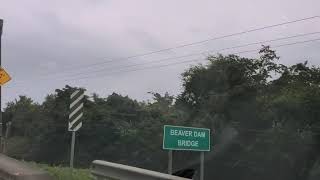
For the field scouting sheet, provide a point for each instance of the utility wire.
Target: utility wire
(193, 60)
(189, 44)
(194, 54)
(187, 61)
(188, 55)
(181, 62)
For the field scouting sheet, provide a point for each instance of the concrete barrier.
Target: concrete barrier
(11, 169)
(104, 170)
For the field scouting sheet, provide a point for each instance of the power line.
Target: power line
(192, 54)
(183, 62)
(193, 60)
(152, 67)
(191, 44)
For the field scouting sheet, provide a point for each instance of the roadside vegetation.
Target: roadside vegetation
(264, 115)
(65, 173)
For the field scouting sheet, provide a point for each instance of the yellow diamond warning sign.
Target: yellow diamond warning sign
(4, 77)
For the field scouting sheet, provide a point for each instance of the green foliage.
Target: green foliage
(19, 147)
(264, 116)
(63, 173)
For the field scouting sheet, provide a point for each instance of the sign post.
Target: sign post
(186, 139)
(170, 162)
(4, 78)
(75, 122)
(202, 165)
(73, 140)
(1, 120)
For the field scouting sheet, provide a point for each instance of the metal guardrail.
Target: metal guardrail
(11, 169)
(104, 170)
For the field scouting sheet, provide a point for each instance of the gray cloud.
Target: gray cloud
(42, 37)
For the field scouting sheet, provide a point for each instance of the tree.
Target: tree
(264, 118)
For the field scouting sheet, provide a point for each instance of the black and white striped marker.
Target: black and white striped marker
(76, 110)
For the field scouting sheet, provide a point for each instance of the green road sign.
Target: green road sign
(186, 138)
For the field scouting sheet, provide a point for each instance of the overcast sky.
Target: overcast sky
(48, 44)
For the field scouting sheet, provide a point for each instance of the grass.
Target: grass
(65, 173)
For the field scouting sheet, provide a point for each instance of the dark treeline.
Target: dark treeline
(265, 119)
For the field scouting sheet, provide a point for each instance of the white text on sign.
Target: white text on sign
(188, 143)
(187, 133)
